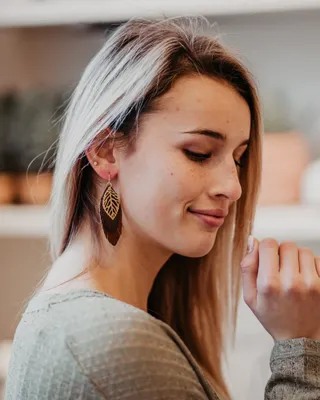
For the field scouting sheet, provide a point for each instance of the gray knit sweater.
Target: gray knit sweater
(85, 344)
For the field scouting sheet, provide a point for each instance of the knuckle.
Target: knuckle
(246, 265)
(313, 289)
(270, 288)
(294, 289)
(269, 243)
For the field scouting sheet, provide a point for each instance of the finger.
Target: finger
(268, 262)
(317, 262)
(307, 264)
(249, 270)
(289, 259)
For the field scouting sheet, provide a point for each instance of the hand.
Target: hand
(281, 285)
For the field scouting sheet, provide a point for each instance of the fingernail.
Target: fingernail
(250, 244)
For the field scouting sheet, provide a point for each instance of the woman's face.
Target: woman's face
(185, 166)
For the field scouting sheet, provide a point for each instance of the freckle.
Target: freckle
(171, 173)
(177, 108)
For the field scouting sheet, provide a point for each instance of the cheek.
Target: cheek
(158, 187)
(183, 183)
(177, 190)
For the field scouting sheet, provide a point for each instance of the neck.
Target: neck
(125, 271)
(130, 269)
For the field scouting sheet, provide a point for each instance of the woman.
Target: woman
(154, 192)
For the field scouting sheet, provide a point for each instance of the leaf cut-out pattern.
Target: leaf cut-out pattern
(110, 202)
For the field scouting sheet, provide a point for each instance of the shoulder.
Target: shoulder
(93, 324)
(42, 361)
(87, 312)
(96, 326)
(80, 312)
(124, 350)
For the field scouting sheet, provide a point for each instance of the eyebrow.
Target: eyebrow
(215, 135)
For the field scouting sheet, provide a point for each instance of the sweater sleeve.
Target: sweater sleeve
(295, 367)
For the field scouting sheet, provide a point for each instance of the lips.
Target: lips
(212, 220)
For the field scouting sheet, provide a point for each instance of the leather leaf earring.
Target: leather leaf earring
(110, 213)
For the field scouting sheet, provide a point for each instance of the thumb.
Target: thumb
(249, 269)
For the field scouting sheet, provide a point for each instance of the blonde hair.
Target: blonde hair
(138, 63)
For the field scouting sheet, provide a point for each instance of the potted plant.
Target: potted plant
(33, 137)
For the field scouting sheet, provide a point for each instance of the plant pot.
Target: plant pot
(34, 188)
(285, 157)
(7, 188)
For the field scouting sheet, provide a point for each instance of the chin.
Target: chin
(197, 248)
(195, 253)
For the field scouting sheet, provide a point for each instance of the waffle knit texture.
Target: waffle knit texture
(85, 344)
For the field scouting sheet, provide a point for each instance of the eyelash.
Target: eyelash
(200, 157)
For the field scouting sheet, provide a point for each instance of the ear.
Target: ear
(101, 156)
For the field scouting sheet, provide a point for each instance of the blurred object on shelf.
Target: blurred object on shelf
(5, 353)
(7, 188)
(34, 188)
(27, 143)
(285, 156)
(34, 133)
(7, 181)
(310, 186)
(284, 160)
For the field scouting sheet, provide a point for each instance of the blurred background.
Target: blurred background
(44, 47)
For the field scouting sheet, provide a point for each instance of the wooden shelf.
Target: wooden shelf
(59, 12)
(295, 223)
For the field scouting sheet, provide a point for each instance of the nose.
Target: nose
(225, 182)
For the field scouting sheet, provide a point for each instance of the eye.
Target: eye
(197, 157)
